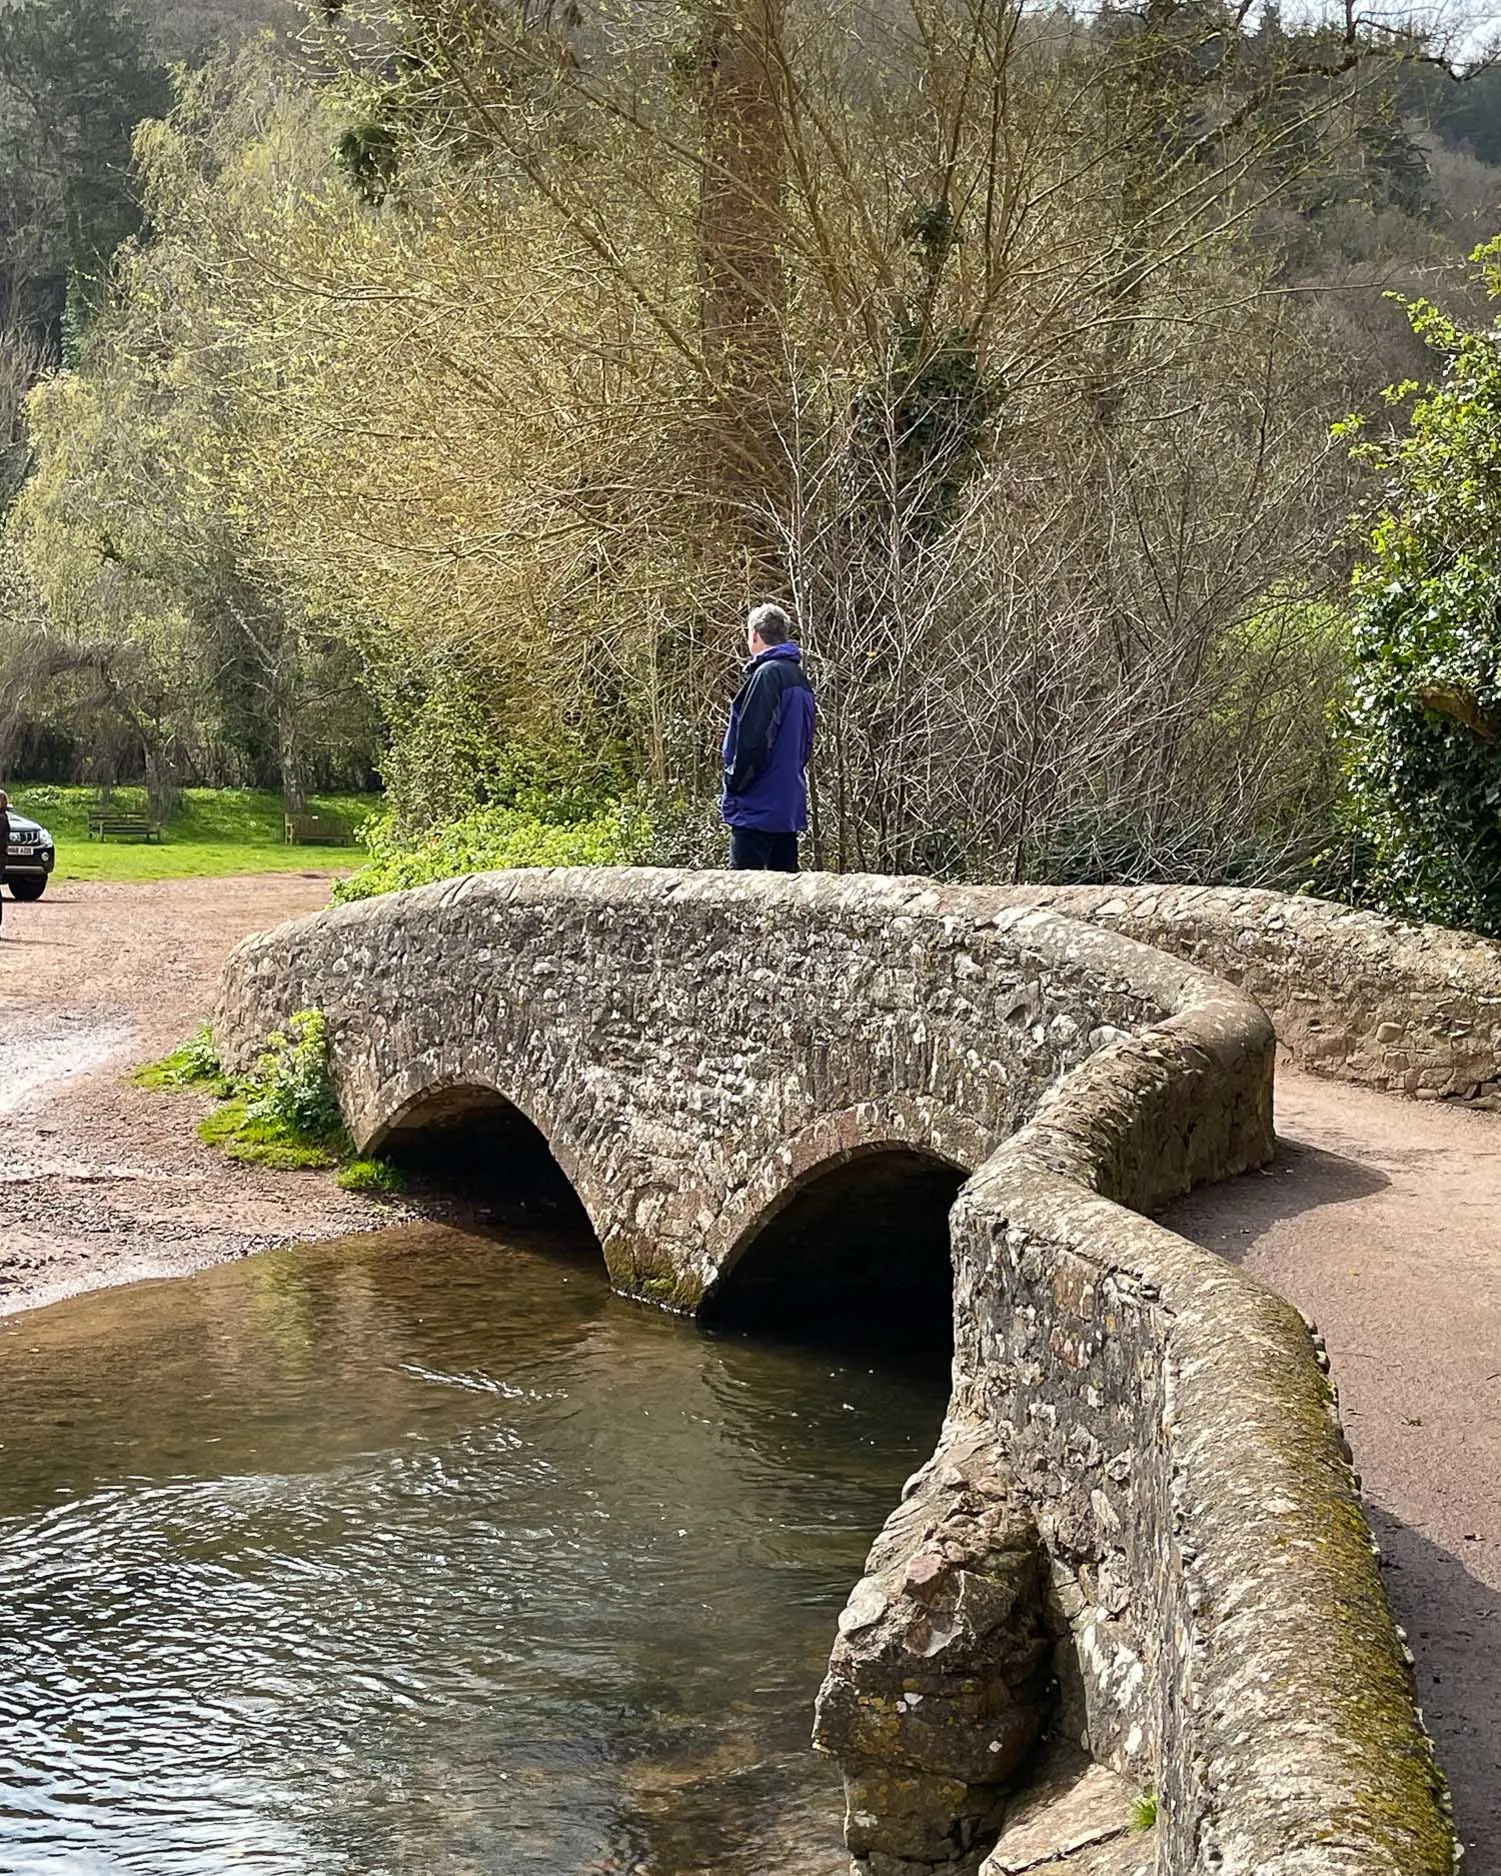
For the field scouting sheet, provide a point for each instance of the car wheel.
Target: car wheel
(27, 888)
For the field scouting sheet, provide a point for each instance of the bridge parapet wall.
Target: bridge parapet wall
(1174, 1428)
(1415, 1009)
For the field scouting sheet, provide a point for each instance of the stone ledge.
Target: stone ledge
(1239, 1654)
(1075, 1820)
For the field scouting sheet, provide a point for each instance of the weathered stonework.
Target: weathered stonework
(694, 1047)
(1170, 1423)
(939, 1685)
(1412, 1008)
(1077, 1819)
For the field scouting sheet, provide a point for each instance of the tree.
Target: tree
(1424, 718)
(132, 531)
(77, 77)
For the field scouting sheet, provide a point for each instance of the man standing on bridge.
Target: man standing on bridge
(766, 749)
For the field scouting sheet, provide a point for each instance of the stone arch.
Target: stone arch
(856, 1237)
(469, 1128)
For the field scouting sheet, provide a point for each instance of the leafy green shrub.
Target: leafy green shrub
(1423, 726)
(283, 1113)
(451, 755)
(42, 797)
(687, 833)
(290, 1090)
(494, 837)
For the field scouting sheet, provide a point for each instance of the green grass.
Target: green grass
(262, 1142)
(372, 1175)
(1144, 1811)
(283, 1114)
(192, 1064)
(216, 831)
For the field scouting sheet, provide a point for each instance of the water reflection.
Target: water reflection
(424, 1554)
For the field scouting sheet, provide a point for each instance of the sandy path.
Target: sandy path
(1381, 1219)
(100, 1181)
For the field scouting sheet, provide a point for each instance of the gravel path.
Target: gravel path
(1381, 1219)
(100, 1181)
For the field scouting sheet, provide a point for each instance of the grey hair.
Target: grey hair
(770, 624)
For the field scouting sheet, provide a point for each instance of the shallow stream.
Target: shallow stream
(423, 1555)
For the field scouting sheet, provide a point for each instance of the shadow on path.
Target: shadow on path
(1381, 1220)
(1229, 1218)
(1453, 1624)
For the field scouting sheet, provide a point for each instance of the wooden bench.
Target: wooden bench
(316, 830)
(122, 825)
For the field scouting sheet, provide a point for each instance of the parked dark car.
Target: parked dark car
(30, 858)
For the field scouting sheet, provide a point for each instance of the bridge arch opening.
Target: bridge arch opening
(858, 1251)
(469, 1142)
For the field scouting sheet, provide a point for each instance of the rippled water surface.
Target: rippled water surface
(422, 1553)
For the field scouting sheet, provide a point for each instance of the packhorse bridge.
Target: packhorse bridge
(1137, 1563)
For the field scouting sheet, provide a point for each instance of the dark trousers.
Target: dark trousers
(751, 851)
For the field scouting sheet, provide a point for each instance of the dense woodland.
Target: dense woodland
(423, 391)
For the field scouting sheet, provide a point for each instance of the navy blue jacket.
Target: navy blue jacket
(768, 743)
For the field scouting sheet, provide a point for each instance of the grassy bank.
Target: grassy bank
(215, 832)
(283, 1113)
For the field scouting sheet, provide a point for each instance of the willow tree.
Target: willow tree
(200, 655)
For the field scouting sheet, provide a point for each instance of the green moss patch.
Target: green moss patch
(377, 1176)
(193, 1064)
(258, 1141)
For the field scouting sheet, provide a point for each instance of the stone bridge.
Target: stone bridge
(699, 1052)
(1137, 1561)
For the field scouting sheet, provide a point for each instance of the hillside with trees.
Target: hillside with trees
(438, 384)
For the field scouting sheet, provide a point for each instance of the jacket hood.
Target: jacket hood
(792, 652)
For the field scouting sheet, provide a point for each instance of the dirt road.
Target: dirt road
(100, 1181)
(1381, 1219)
